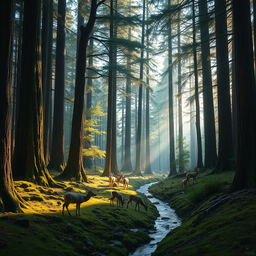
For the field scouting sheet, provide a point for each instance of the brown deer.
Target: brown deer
(184, 182)
(119, 198)
(75, 198)
(192, 175)
(126, 183)
(113, 181)
(138, 201)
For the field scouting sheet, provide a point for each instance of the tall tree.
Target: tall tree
(245, 97)
(87, 159)
(57, 148)
(148, 151)
(209, 121)
(180, 125)
(127, 165)
(111, 160)
(172, 161)
(197, 103)
(139, 121)
(74, 168)
(47, 40)
(8, 196)
(225, 152)
(29, 160)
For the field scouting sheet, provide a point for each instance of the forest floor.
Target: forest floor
(215, 221)
(102, 229)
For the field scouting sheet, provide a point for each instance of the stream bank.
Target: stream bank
(166, 221)
(215, 222)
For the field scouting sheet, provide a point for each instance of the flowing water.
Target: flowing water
(167, 221)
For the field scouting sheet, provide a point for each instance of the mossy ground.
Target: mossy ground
(215, 222)
(102, 229)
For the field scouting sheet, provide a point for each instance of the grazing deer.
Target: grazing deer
(184, 182)
(126, 183)
(138, 201)
(118, 180)
(75, 198)
(119, 198)
(192, 175)
(112, 180)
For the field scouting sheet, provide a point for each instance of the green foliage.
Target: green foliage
(95, 152)
(90, 130)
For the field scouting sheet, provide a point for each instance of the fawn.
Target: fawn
(138, 202)
(75, 198)
(119, 198)
(126, 183)
(192, 175)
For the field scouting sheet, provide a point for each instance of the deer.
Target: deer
(75, 198)
(184, 182)
(113, 181)
(138, 201)
(119, 198)
(192, 175)
(126, 183)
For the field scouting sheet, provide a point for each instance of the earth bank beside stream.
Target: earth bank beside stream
(215, 222)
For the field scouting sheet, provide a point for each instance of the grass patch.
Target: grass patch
(202, 191)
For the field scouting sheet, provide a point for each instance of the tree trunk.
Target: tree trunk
(47, 38)
(224, 107)
(172, 161)
(87, 159)
(74, 168)
(57, 148)
(111, 161)
(198, 128)
(209, 121)
(148, 159)
(29, 160)
(137, 170)
(180, 137)
(8, 196)
(245, 176)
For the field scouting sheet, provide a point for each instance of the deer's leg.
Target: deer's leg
(67, 209)
(63, 208)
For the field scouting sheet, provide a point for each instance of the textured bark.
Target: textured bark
(127, 165)
(137, 170)
(47, 38)
(8, 196)
(29, 160)
(111, 160)
(57, 148)
(148, 159)
(225, 152)
(245, 176)
(209, 121)
(74, 168)
(172, 161)
(198, 129)
(87, 159)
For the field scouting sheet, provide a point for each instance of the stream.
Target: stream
(167, 221)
